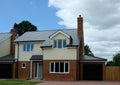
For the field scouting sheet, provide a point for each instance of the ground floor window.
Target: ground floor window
(59, 67)
(23, 65)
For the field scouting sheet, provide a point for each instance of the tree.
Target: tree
(116, 59)
(87, 51)
(110, 63)
(23, 27)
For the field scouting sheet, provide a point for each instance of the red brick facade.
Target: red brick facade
(23, 73)
(58, 76)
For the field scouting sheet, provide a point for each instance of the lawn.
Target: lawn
(17, 82)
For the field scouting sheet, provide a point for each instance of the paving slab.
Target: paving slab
(80, 83)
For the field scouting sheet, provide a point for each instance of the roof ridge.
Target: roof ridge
(5, 33)
(51, 30)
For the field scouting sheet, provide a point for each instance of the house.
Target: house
(56, 55)
(7, 50)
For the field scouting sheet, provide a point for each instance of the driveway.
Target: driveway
(80, 83)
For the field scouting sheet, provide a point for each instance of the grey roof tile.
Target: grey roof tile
(9, 57)
(91, 58)
(44, 36)
(36, 57)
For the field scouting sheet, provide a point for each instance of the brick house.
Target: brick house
(56, 55)
(7, 50)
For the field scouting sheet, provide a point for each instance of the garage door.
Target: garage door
(6, 70)
(92, 72)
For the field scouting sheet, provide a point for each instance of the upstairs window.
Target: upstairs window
(59, 43)
(28, 47)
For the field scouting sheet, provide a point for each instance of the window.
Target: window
(59, 67)
(23, 65)
(59, 43)
(28, 47)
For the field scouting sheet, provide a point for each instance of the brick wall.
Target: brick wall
(80, 34)
(23, 73)
(57, 76)
(13, 37)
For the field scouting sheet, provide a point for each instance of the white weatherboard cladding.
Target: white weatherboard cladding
(60, 54)
(25, 56)
(5, 47)
(61, 36)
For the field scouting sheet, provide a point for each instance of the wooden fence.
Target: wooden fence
(112, 73)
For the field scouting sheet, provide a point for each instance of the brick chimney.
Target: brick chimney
(13, 37)
(80, 36)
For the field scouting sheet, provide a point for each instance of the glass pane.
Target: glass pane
(66, 67)
(61, 67)
(35, 70)
(28, 47)
(59, 43)
(32, 47)
(56, 67)
(64, 43)
(55, 44)
(52, 67)
(24, 47)
(40, 70)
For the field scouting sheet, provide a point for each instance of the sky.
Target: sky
(101, 19)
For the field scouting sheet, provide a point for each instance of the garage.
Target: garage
(6, 70)
(92, 72)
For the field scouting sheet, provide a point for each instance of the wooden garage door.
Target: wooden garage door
(92, 72)
(6, 70)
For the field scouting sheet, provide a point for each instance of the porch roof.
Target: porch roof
(9, 57)
(36, 57)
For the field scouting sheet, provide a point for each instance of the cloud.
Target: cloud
(101, 22)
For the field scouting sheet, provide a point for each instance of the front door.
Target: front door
(38, 70)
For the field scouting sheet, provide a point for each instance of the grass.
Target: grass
(17, 82)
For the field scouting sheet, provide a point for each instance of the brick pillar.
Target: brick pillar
(81, 36)
(13, 37)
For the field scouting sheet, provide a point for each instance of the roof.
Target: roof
(36, 57)
(9, 57)
(4, 36)
(54, 34)
(91, 58)
(44, 36)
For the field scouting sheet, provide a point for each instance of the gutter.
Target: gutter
(17, 59)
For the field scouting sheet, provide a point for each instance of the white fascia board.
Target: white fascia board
(61, 33)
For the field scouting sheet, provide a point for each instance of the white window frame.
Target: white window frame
(23, 65)
(59, 68)
(30, 49)
(57, 43)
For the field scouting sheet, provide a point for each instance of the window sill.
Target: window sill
(59, 73)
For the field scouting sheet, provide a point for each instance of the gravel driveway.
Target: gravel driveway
(80, 83)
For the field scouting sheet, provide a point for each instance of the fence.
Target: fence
(113, 73)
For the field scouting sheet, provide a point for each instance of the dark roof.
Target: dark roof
(9, 57)
(92, 58)
(36, 57)
(44, 36)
